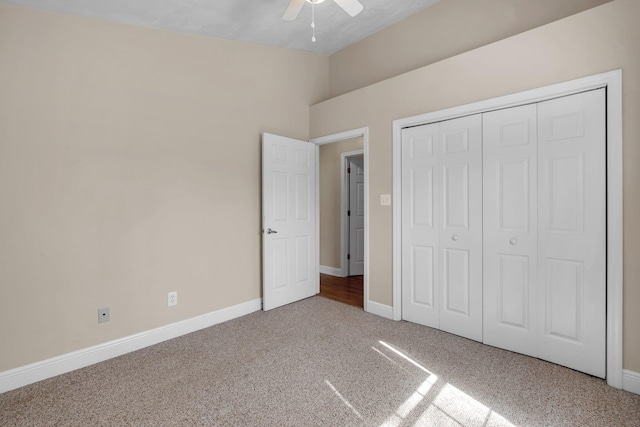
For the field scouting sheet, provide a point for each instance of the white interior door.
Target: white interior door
(510, 241)
(460, 240)
(442, 226)
(288, 220)
(420, 225)
(356, 216)
(572, 231)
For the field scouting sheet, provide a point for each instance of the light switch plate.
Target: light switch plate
(385, 200)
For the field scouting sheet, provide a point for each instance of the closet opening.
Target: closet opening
(541, 190)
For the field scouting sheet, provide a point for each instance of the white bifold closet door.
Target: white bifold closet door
(510, 244)
(442, 226)
(545, 230)
(572, 231)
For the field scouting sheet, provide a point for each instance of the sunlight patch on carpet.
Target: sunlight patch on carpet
(451, 406)
(345, 401)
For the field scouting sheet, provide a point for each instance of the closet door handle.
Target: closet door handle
(513, 241)
(454, 237)
(270, 231)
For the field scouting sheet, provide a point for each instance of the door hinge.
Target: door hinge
(348, 256)
(348, 170)
(348, 213)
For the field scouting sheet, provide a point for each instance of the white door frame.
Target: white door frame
(355, 133)
(612, 81)
(344, 218)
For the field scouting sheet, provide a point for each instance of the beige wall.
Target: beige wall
(130, 167)
(130, 157)
(441, 31)
(598, 40)
(330, 198)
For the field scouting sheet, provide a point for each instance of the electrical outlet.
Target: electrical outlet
(172, 298)
(103, 315)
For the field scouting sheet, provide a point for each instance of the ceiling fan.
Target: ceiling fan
(352, 7)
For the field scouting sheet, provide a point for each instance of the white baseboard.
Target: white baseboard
(28, 374)
(631, 381)
(378, 309)
(332, 271)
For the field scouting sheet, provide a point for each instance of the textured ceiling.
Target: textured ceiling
(254, 21)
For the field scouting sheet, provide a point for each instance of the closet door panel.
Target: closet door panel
(572, 231)
(420, 177)
(510, 229)
(504, 229)
(460, 212)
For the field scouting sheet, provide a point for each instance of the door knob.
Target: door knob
(270, 231)
(513, 241)
(454, 237)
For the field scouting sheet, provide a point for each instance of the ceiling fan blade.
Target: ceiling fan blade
(293, 10)
(352, 7)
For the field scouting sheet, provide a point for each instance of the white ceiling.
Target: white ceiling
(254, 21)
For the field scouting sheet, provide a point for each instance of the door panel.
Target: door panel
(303, 197)
(460, 237)
(456, 281)
(572, 231)
(422, 196)
(279, 195)
(288, 206)
(280, 264)
(303, 259)
(454, 139)
(564, 286)
(565, 193)
(442, 226)
(510, 229)
(513, 291)
(455, 186)
(422, 278)
(420, 247)
(514, 194)
(356, 219)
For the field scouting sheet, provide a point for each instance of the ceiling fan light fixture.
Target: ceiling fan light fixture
(352, 7)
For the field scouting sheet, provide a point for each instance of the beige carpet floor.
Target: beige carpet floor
(321, 363)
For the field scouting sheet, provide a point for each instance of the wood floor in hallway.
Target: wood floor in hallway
(348, 290)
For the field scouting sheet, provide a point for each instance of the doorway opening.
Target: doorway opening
(347, 284)
(342, 217)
